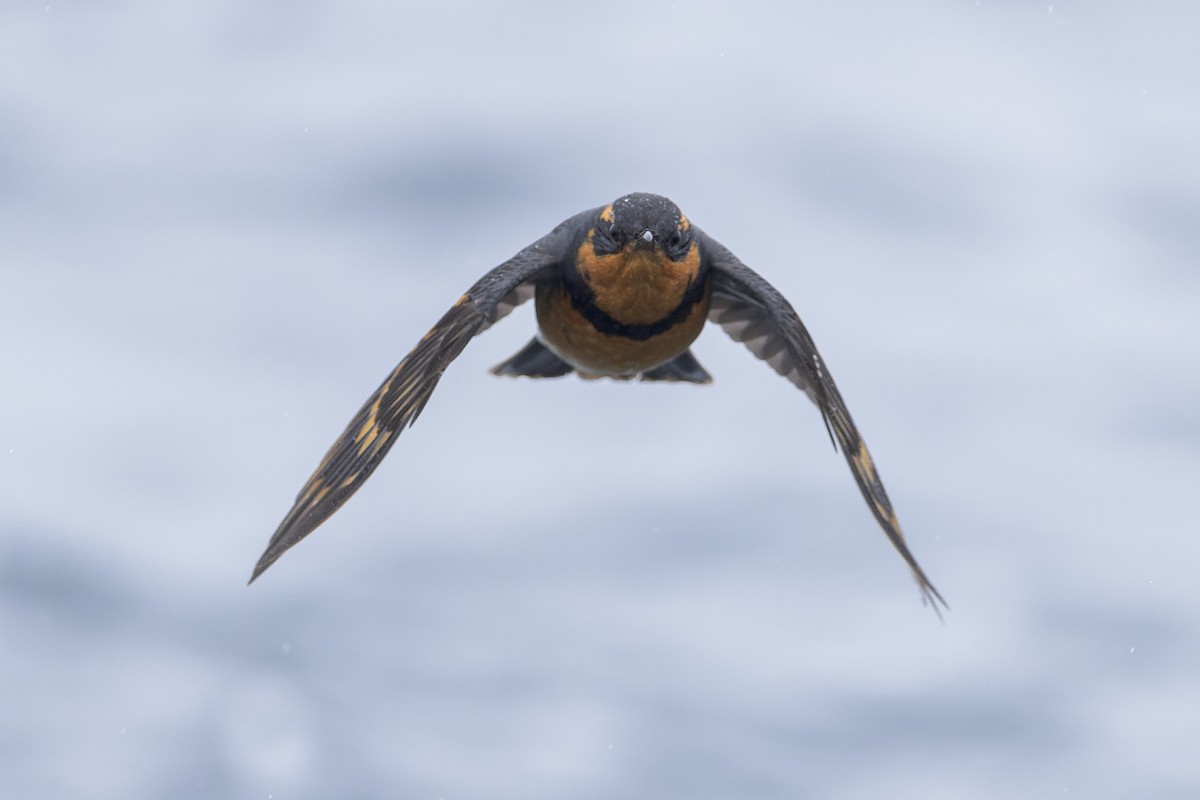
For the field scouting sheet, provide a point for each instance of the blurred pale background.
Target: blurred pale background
(221, 224)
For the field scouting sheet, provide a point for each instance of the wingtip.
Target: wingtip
(264, 561)
(930, 596)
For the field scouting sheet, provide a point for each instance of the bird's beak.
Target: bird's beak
(644, 241)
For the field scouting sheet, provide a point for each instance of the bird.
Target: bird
(620, 291)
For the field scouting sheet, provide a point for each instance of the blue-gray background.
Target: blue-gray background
(221, 224)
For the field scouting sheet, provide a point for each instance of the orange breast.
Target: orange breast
(578, 342)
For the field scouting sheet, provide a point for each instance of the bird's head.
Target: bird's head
(639, 222)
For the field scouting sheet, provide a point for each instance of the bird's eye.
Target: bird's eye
(607, 238)
(676, 239)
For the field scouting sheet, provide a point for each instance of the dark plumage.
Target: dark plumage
(621, 291)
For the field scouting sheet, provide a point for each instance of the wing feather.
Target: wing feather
(399, 400)
(522, 294)
(753, 312)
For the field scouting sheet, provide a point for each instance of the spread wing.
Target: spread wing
(398, 401)
(753, 312)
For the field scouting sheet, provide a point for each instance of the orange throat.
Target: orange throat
(633, 288)
(638, 287)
